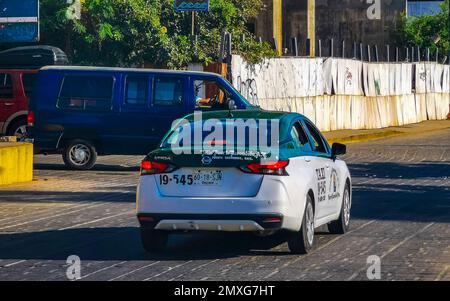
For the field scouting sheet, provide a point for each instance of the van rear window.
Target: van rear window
(86, 93)
(28, 80)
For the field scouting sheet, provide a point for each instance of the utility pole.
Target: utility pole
(192, 23)
(312, 26)
(278, 24)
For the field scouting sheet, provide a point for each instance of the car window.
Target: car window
(316, 138)
(28, 80)
(136, 90)
(299, 136)
(168, 91)
(86, 93)
(6, 88)
(209, 95)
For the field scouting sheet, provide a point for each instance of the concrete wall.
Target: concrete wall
(347, 94)
(351, 20)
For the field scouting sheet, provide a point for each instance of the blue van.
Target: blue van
(82, 112)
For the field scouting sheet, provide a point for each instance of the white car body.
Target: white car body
(247, 195)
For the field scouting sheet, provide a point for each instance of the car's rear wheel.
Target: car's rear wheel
(302, 242)
(18, 128)
(79, 154)
(154, 240)
(341, 225)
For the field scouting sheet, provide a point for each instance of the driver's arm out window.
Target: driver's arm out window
(208, 95)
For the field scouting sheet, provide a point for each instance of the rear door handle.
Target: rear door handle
(307, 160)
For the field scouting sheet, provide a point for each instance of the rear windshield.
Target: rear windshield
(86, 93)
(238, 134)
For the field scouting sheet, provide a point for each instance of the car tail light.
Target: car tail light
(151, 168)
(30, 118)
(217, 142)
(272, 220)
(270, 168)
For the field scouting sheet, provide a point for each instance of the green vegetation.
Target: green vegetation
(426, 31)
(150, 32)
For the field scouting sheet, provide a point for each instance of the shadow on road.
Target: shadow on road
(124, 244)
(393, 170)
(108, 194)
(97, 167)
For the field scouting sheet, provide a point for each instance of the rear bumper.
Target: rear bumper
(211, 222)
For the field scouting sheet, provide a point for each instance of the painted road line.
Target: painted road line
(97, 220)
(168, 270)
(103, 269)
(393, 248)
(319, 248)
(48, 217)
(134, 271)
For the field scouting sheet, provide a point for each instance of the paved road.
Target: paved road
(401, 213)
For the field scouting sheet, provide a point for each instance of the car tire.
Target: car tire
(341, 225)
(79, 154)
(302, 242)
(18, 128)
(153, 240)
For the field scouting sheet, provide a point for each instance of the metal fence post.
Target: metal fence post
(331, 48)
(376, 53)
(361, 51)
(319, 47)
(388, 50)
(274, 43)
(308, 47)
(294, 46)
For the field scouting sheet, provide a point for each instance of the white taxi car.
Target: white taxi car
(295, 183)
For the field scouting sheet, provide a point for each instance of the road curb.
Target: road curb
(378, 135)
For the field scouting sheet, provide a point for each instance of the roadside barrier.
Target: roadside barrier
(16, 162)
(340, 94)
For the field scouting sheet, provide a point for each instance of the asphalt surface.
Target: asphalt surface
(400, 213)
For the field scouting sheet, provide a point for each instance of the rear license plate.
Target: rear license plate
(196, 177)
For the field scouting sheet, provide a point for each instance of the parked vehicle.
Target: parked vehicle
(18, 68)
(193, 189)
(15, 89)
(32, 57)
(82, 112)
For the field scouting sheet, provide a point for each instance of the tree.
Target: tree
(426, 31)
(134, 32)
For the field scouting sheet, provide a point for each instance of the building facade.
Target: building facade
(361, 21)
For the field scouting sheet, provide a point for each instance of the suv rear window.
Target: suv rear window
(6, 89)
(86, 93)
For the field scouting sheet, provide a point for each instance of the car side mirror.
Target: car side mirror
(338, 149)
(232, 105)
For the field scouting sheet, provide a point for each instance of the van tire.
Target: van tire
(17, 127)
(79, 155)
(153, 240)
